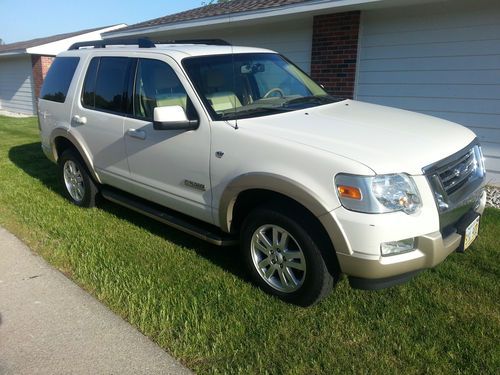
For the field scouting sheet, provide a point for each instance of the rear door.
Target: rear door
(98, 115)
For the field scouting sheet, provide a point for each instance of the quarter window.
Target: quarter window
(56, 84)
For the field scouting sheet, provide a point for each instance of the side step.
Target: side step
(171, 218)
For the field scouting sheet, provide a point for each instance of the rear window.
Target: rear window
(56, 84)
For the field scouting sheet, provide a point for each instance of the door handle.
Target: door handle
(134, 133)
(80, 120)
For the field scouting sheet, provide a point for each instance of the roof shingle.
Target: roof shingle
(219, 9)
(40, 41)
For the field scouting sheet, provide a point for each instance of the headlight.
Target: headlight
(378, 194)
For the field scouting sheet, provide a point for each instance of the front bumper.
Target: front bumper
(370, 271)
(431, 250)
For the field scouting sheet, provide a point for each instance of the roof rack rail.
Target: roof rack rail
(142, 43)
(209, 42)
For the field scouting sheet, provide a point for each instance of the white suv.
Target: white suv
(237, 144)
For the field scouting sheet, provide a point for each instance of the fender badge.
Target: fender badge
(194, 185)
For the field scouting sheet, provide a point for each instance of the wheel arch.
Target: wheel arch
(270, 183)
(61, 139)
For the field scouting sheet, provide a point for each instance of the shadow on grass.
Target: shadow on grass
(30, 158)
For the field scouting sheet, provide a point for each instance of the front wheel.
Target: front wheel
(283, 258)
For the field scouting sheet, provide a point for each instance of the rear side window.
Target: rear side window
(56, 84)
(88, 98)
(106, 84)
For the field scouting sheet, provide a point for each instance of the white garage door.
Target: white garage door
(440, 59)
(16, 90)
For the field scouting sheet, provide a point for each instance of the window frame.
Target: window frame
(129, 107)
(133, 116)
(211, 112)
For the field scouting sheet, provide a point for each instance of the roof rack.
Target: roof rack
(210, 42)
(142, 43)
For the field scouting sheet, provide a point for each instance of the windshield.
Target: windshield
(252, 84)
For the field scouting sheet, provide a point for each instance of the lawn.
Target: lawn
(195, 301)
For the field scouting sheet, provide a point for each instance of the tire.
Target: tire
(78, 186)
(289, 265)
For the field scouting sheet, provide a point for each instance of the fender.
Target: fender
(65, 133)
(272, 182)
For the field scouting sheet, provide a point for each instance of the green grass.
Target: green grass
(195, 301)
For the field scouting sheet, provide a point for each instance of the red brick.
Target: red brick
(334, 52)
(40, 66)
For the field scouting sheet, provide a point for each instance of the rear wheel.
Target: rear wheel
(77, 184)
(283, 258)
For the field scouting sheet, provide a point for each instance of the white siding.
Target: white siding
(441, 59)
(290, 38)
(16, 88)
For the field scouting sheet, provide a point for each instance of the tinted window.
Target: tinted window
(106, 84)
(88, 96)
(56, 84)
(157, 85)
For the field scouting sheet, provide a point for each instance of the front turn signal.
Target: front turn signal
(349, 192)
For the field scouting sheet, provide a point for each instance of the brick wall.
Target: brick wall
(40, 65)
(335, 51)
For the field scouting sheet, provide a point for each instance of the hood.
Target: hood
(387, 140)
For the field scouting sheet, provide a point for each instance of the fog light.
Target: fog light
(397, 247)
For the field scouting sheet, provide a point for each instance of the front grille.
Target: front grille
(456, 174)
(457, 182)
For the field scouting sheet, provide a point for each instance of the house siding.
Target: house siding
(440, 59)
(290, 38)
(16, 85)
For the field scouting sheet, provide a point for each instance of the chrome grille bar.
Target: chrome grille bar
(456, 174)
(468, 161)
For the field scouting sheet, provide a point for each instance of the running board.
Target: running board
(171, 218)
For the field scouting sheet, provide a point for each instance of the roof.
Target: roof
(175, 51)
(239, 11)
(219, 9)
(40, 41)
(53, 45)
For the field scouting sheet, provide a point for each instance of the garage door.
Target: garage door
(16, 93)
(440, 59)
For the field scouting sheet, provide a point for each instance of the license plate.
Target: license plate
(471, 233)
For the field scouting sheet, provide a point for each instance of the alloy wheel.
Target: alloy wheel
(278, 258)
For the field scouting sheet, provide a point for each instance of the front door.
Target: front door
(170, 167)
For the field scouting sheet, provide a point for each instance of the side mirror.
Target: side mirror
(172, 118)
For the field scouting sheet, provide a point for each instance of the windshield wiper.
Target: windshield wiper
(316, 99)
(252, 111)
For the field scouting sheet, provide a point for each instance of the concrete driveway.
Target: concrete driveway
(49, 325)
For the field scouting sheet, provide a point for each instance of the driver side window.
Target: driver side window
(157, 85)
(275, 76)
